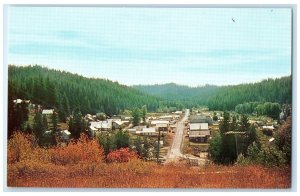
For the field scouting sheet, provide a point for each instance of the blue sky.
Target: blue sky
(190, 46)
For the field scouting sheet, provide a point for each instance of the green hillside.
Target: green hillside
(67, 92)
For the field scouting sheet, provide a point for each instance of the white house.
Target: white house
(48, 111)
(268, 127)
(18, 101)
(178, 112)
(100, 125)
(147, 131)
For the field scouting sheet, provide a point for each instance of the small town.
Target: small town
(183, 136)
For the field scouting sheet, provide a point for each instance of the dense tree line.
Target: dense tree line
(69, 92)
(172, 91)
(267, 108)
(222, 97)
(271, 90)
(180, 94)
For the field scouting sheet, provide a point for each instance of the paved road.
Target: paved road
(175, 148)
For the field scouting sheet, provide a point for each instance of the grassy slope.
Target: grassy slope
(138, 174)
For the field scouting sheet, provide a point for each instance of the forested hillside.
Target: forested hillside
(172, 91)
(67, 92)
(271, 90)
(224, 97)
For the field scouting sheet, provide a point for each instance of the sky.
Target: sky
(188, 46)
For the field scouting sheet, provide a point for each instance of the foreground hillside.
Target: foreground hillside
(138, 174)
(82, 164)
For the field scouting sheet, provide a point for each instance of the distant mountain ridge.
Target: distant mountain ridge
(172, 91)
(224, 97)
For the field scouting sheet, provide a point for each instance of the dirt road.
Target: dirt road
(175, 151)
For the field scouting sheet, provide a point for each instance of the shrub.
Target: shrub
(121, 155)
(20, 147)
(82, 150)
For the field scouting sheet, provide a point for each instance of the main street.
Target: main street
(175, 150)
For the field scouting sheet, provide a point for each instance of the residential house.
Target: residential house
(161, 125)
(100, 125)
(147, 131)
(47, 111)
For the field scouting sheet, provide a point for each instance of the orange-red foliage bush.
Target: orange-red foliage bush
(20, 147)
(121, 155)
(83, 150)
(80, 165)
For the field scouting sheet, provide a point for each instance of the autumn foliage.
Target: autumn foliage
(83, 150)
(121, 155)
(80, 164)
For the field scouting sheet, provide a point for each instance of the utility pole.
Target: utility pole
(236, 146)
(158, 145)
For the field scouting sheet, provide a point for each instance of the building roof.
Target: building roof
(161, 125)
(269, 127)
(198, 126)
(149, 130)
(18, 101)
(154, 122)
(119, 122)
(48, 111)
(203, 126)
(66, 132)
(163, 117)
(195, 126)
(100, 124)
(178, 112)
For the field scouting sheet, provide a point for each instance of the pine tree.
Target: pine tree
(76, 125)
(38, 127)
(45, 121)
(144, 113)
(136, 116)
(54, 121)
